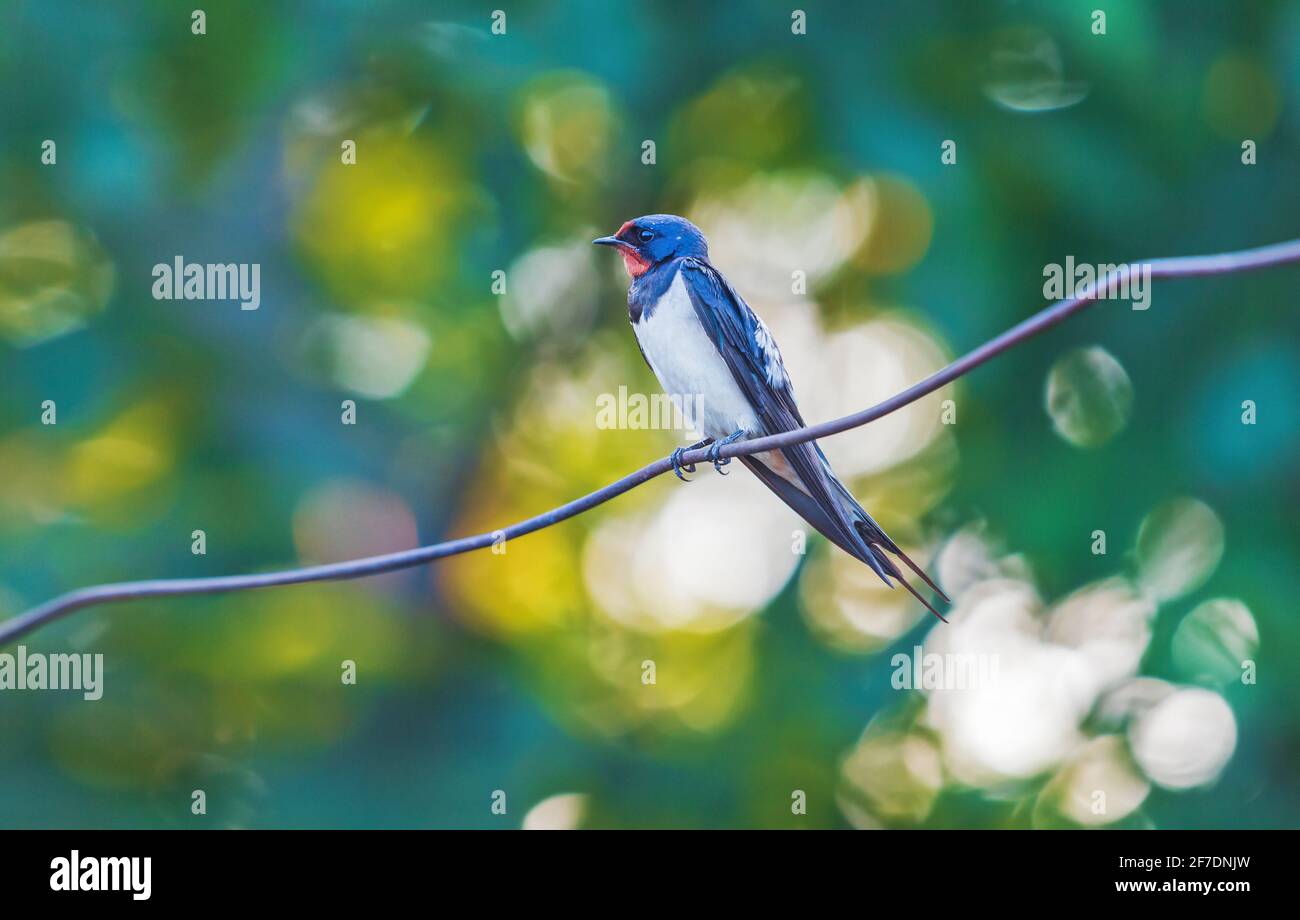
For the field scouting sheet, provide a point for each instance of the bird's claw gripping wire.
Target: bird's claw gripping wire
(718, 461)
(676, 459)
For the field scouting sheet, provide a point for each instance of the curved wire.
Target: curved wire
(1176, 267)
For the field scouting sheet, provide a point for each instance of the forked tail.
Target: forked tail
(878, 542)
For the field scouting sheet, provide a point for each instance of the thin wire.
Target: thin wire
(1176, 267)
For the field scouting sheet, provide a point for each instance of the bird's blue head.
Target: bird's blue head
(648, 241)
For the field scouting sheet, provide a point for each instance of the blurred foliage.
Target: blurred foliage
(666, 659)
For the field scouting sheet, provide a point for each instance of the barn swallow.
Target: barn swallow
(718, 363)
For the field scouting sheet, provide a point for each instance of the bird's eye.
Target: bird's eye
(647, 235)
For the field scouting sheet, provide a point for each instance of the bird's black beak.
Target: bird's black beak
(612, 241)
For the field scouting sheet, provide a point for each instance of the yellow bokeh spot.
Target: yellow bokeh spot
(1241, 100)
(751, 115)
(299, 632)
(532, 586)
(901, 228)
(567, 122)
(54, 277)
(384, 226)
(131, 453)
(282, 638)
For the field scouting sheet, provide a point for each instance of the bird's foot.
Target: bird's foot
(714, 451)
(676, 458)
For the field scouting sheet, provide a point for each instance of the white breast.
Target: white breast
(689, 367)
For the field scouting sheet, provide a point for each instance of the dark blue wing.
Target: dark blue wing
(747, 347)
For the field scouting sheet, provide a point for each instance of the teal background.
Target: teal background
(475, 149)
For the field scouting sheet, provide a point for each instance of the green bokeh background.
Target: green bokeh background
(474, 149)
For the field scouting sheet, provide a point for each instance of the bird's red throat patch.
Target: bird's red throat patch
(632, 261)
